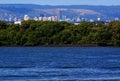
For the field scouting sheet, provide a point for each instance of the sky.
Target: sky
(62, 2)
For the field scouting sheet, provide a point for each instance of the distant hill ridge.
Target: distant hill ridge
(86, 11)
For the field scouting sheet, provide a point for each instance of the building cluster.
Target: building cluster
(43, 18)
(60, 16)
(51, 18)
(76, 20)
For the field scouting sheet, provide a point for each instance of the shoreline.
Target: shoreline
(64, 45)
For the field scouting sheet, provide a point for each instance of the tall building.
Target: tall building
(49, 18)
(26, 17)
(60, 14)
(78, 19)
(54, 18)
(40, 18)
(45, 18)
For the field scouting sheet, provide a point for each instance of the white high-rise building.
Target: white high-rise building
(26, 17)
(54, 18)
(45, 18)
(40, 18)
(49, 18)
(78, 19)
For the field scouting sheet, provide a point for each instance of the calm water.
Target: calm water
(59, 64)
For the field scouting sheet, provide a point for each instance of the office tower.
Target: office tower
(58, 15)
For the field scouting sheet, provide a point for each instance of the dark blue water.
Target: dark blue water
(59, 64)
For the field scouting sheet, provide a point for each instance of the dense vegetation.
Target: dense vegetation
(35, 33)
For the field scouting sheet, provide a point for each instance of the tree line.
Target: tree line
(37, 33)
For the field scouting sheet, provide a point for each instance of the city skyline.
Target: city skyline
(63, 2)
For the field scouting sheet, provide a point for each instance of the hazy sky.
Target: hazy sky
(63, 2)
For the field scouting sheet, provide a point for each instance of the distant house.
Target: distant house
(17, 22)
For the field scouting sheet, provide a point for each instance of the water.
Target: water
(59, 64)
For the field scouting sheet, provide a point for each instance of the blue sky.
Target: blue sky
(63, 2)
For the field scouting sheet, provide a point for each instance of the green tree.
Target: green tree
(3, 25)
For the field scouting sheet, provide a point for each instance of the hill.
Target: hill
(71, 11)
